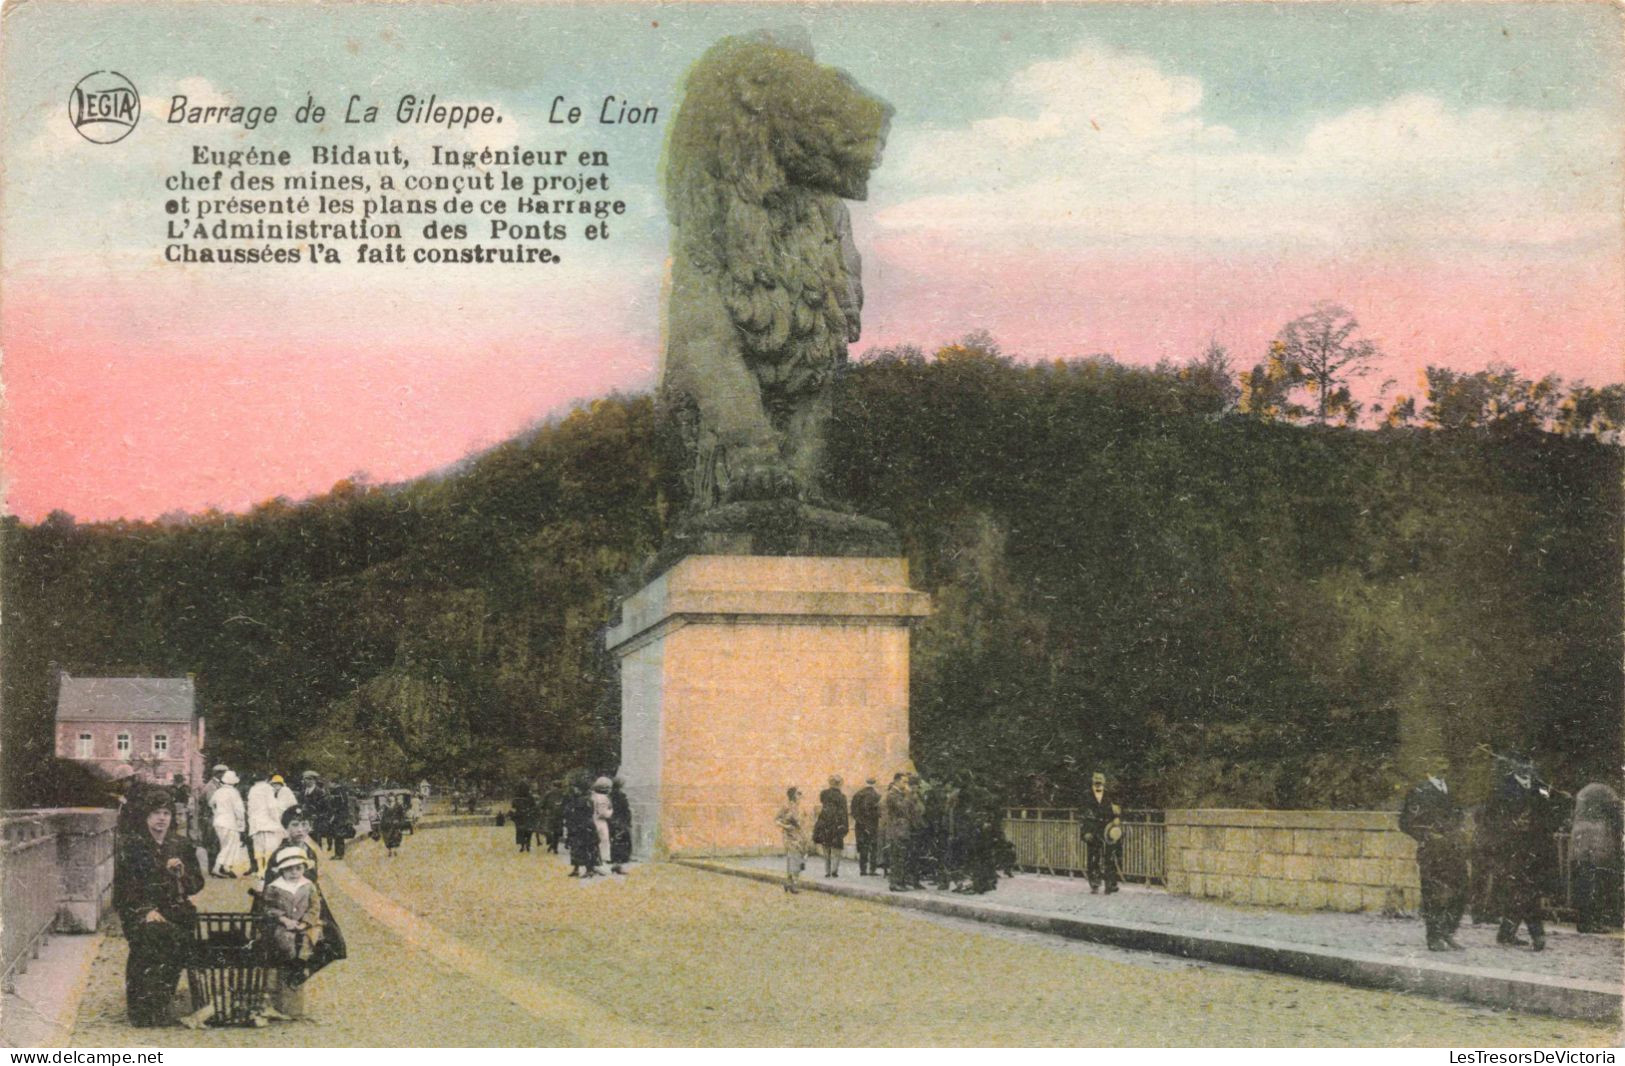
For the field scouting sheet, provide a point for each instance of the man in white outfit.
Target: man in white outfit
(266, 802)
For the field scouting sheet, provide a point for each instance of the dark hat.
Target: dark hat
(144, 799)
(296, 811)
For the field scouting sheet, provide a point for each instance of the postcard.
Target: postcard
(824, 524)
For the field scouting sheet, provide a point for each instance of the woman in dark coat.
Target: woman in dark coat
(830, 826)
(552, 817)
(581, 829)
(391, 824)
(620, 827)
(155, 872)
(524, 817)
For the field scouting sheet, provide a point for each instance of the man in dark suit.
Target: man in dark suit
(1432, 817)
(1520, 814)
(1099, 817)
(866, 826)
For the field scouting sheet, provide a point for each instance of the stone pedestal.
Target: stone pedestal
(742, 675)
(84, 848)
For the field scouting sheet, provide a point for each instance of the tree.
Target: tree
(1322, 348)
(1589, 411)
(1498, 396)
(1211, 374)
(1266, 390)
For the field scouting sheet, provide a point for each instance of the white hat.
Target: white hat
(289, 856)
(229, 778)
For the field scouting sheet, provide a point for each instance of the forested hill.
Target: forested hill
(1218, 609)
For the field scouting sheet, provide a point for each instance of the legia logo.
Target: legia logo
(104, 107)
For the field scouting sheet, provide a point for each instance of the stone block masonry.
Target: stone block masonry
(1311, 860)
(742, 675)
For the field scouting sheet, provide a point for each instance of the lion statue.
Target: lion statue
(764, 292)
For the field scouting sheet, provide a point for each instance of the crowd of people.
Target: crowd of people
(267, 832)
(1501, 863)
(590, 818)
(948, 832)
(1507, 866)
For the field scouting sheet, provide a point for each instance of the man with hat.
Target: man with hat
(866, 826)
(897, 824)
(155, 872)
(313, 797)
(1102, 832)
(1521, 815)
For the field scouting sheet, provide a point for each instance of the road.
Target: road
(461, 941)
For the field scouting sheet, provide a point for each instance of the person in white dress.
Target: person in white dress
(602, 808)
(230, 823)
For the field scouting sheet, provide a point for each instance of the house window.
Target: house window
(124, 745)
(87, 746)
(160, 743)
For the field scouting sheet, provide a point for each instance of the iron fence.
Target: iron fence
(1049, 840)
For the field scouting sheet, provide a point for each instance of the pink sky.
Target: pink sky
(118, 406)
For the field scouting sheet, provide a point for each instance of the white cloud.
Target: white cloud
(1104, 148)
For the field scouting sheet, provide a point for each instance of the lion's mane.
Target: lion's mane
(765, 146)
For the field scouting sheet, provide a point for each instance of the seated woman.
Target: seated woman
(155, 872)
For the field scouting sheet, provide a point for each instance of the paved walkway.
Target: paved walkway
(40, 1010)
(389, 992)
(1570, 958)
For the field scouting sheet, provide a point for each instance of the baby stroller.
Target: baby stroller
(226, 972)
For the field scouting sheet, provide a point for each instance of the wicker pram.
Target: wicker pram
(227, 971)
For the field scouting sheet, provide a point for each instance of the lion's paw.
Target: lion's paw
(764, 480)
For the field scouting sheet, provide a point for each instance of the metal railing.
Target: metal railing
(1049, 840)
(32, 885)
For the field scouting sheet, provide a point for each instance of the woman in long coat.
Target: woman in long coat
(620, 827)
(155, 872)
(830, 826)
(602, 810)
(581, 829)
(524, 817)
(391, 824)
(230, 823)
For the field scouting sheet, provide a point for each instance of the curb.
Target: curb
(1589, 1001)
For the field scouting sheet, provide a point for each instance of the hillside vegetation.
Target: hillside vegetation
(1218, 609)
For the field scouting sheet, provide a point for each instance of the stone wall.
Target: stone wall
(1314, 860)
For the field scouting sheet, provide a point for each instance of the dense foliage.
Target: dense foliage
(1218, 609)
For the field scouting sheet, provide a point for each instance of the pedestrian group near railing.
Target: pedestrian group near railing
(947, 832)
(1511, 867)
